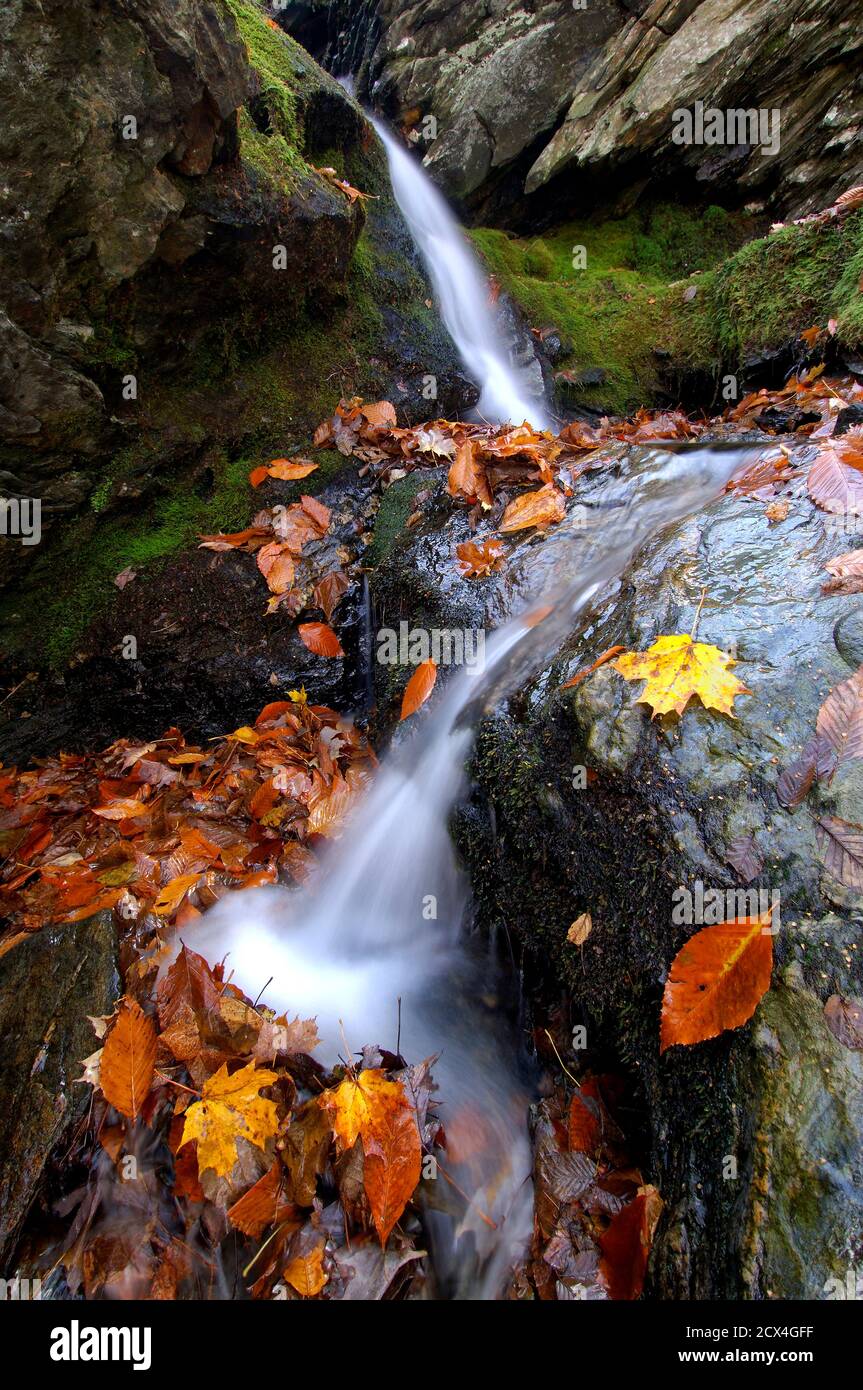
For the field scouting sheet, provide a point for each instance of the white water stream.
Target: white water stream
(350, 948)
(462, 291)
(359, 949)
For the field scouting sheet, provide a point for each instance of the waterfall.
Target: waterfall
(462, 291)
(359, 940)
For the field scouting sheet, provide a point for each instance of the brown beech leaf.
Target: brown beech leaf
(418, 688)
(844, 1018)
(841, 845)
(128, 1059)
(840, 719)
(716, 980)
(329, 591)
(320, 639)
(742, 854)
(380, 414)
(584, 1125)
(849, 565)
(834, 486)
(467, 476)
(626, 1244)
(539, 508)
(276, 564)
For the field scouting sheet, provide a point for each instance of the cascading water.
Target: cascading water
(350, 948)
(461, 291)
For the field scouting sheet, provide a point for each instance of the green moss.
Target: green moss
(396, 506)
(629, 298)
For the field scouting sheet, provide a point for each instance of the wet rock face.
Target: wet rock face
(49, 983)
(754, 1137)
(134, 224)
(192, 646)
(553, 98)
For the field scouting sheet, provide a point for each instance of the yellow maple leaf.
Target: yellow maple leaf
(230, 1108)
(355, 1106)
(306, 1273)
(676, 668)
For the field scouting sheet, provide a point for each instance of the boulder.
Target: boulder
(754, 1137)
(49, 983)
(563, 102)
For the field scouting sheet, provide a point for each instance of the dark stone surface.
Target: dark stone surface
(49, 983)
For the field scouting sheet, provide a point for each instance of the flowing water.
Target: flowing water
(462, 291)
(350, 948)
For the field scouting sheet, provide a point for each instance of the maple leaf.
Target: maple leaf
(230, 1109)
(716, 980)
(377, 1110)
(676, 668)
(479, 560)
(419, 687)
(539, 508)
(128, 1059)
(320, 639)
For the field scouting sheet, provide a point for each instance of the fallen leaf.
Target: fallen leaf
(306, 1273)
(841, 846)
(377, 1110)
(329, 591)
(173, 894)
(263, 1205)
(477, 561)
(626, 1244)
(230, 1109)
(320, 639)
(589, 670)
(580, 930)
(742, 854)
(676, 668)
(840, 719)
(418, 688)
(128, 1059)
(844, 1018)
(539, 508)
(716, 980)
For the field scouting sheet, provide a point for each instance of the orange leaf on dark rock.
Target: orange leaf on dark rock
(418, 688)
(320, 639)
(539, 508)
(716, 980)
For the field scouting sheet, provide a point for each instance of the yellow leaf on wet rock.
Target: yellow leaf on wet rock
(676, 668)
